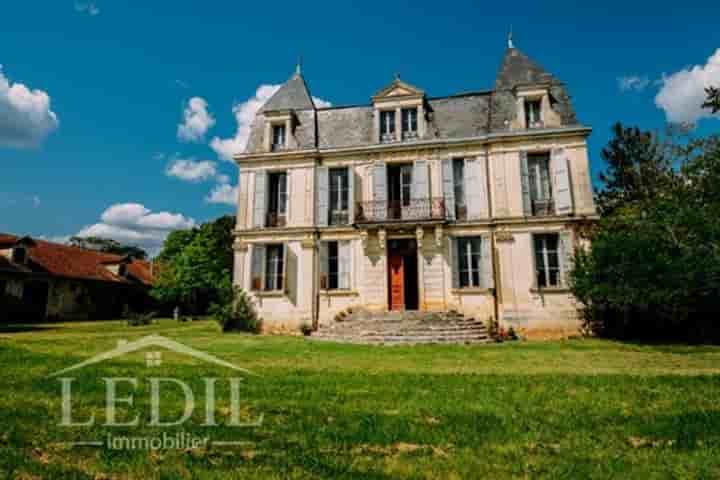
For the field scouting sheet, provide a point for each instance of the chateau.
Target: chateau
(472, 202)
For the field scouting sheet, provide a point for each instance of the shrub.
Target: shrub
(139, 319)
(306, 329)
(236, 311)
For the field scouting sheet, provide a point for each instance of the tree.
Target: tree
(638, 166)
(194, 264)
(713, 99)
(108, 245)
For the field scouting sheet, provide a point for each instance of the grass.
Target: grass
(574, 409)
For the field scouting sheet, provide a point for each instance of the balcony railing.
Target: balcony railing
(424, 209)
(543, 208)
(275, 219)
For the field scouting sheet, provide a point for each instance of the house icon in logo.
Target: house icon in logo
(152, 358)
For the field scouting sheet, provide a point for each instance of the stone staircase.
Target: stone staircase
(403, 328)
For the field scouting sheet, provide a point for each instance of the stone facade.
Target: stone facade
(506, 230)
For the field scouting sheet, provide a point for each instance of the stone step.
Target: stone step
(406, 327)
(400, 341)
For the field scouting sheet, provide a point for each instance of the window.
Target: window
(274, 267)
(459, 188)
(387, 126)
(409, 123)
(547, 260)
(335, 265)
(469, 261)
(278, 137)
(533, 117)
(540, 186)
(339, 196)
(277, 202)
(19, 255)
(122, 270)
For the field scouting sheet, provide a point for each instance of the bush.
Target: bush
(139, 319)
(306, 329)
(236, 311)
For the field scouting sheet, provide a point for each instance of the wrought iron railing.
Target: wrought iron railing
(543, 208)
(423, 209)
(275, 219)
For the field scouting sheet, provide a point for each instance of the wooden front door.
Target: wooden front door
(397, 282)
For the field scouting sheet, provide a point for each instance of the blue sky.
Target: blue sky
(101, 87)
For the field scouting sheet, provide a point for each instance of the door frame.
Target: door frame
(404, 254)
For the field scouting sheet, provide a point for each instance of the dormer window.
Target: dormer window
(409, 123)
(19, 255)
(278, 137)
(387, 126)
(533, 113)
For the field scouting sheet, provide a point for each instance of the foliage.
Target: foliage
(140, 319)
(306, 329)
(235, 310)
(713, 99)
(193, 265)
(654, 266)
(108, 245)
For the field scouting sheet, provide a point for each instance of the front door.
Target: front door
(397, 282)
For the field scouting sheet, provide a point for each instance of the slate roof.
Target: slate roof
(65, 261)
(465, 115)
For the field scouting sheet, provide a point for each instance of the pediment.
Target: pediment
(396, 89)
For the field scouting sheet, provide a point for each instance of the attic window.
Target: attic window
(409, 123)
(19, 255)
(278, 137)
(387, 126)
(533, 114)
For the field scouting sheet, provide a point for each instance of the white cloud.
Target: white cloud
(196, 121)
(25, 115)
(683, 93)
(223, 193)
(134, 224)
(244, 115)
(36, 201)
(320, 103)
(633, 83)
(191, 170)
(87, 7)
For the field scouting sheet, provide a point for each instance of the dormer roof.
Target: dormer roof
(396, 90)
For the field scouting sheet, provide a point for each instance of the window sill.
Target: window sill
(339, 293)
(471, 291)
(550, 290)
(269, 293)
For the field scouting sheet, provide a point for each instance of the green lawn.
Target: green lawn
(574, 409)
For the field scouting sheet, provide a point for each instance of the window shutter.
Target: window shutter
(380, 190)
(486, 265)
(420, 188)
(284, 273)
(257, 277)
(525, 183)
(322, 196)
(260, 198)
(351, 194)
(455, 265)
(473, 195)
(323, 265)
(448, 188)
(344, 260)
(562, 190)
(565, 254)
(291, 277)
(481, 166)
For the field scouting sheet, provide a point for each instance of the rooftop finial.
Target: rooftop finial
(298, 67)
(397, 76)
(510, 41)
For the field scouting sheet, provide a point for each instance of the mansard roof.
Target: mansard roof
(293, 95)
(458, 116)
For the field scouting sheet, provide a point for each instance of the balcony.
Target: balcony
(275, 219)
(418, 210)
(543, 208)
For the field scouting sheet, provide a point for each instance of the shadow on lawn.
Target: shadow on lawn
(25, 327)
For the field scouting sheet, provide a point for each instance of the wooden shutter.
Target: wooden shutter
(473, 195)
(344, 262)
(323, 197)
(324, 266)
(351, 194)
(448, 188)
(291, 275)
(260, 204)
(380, 190)
(420, 187)
(525, 184)
(562, 190)
(257, 271)
(284, 273)
(455, 261)
(487, 279)
(484, 207)
(565, 255)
